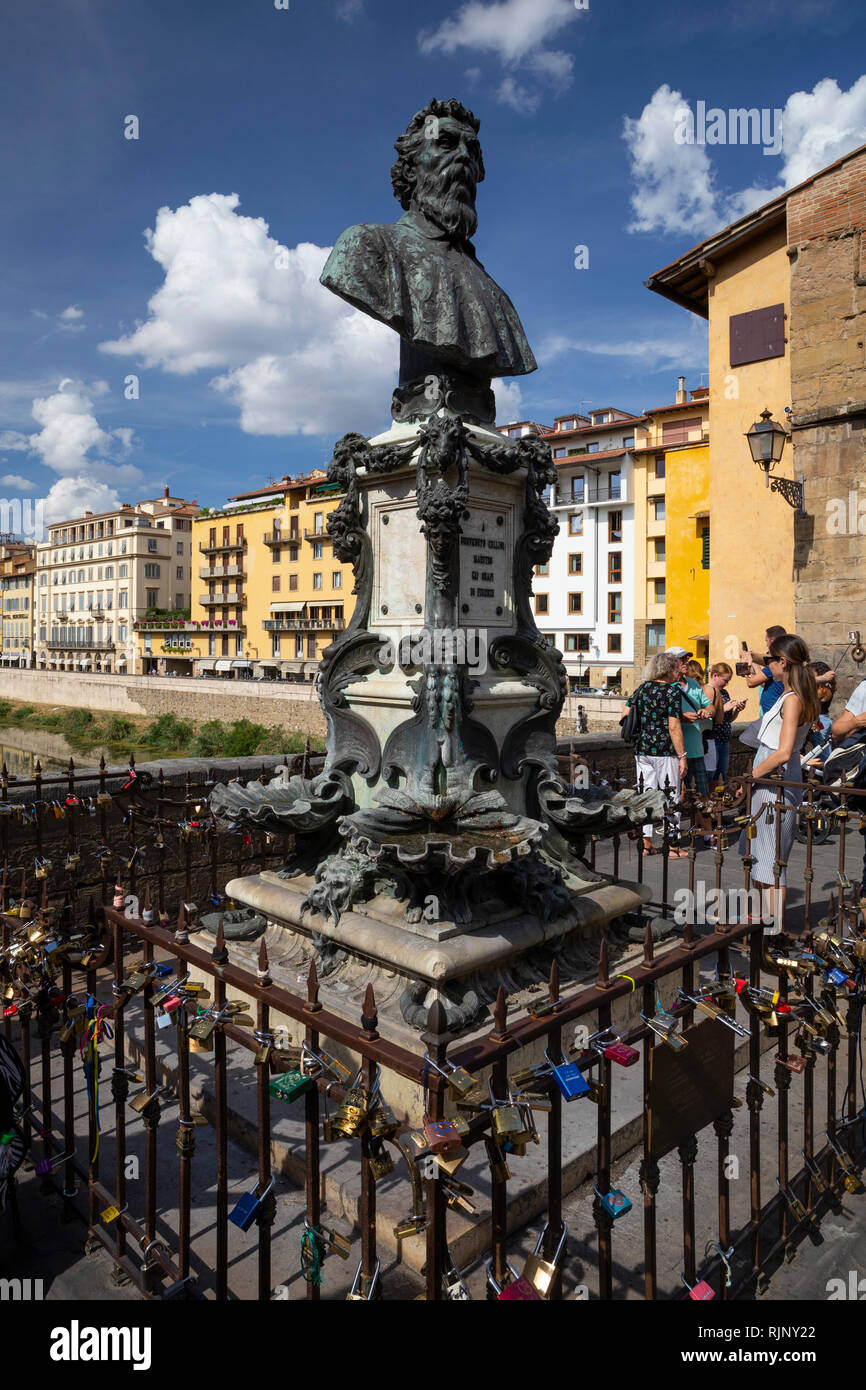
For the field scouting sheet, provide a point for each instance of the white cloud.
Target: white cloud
(514, 31)
(673, 182)
(11, 439)
(348, 10)
(509, 400)
(675, 188)
(293, 357)
(73, 312)
(72, 443)
(684, 349)
(15, 480)
(509, 28)
(76, 495)
(472, 74)
(520, 99)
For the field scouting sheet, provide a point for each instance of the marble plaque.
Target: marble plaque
(401, 565)
(485, 564)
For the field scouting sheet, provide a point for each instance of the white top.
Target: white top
(771, 725)
(857, 702)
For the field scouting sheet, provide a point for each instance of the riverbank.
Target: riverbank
(167, 735)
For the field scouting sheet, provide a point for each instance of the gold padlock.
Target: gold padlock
(541, 1273)
(352, 1114)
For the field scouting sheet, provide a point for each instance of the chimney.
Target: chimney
(165, 491)
(681, 390)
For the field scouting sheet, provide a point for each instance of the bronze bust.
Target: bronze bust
(421, 275)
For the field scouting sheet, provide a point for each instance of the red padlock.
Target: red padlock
(622, 1054)
(519, 1290)
(10, 1010)
(700, 1292)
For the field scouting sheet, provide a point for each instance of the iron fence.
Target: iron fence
(813, 988)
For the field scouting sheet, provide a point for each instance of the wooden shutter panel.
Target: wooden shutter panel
(705, 548)
(757, 335)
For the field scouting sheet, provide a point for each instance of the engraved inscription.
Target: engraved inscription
(484, 565)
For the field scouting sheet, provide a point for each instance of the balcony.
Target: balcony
(217, 546)
(316, 535)
(289, 623)
(290, 537)
(222, 572)
(232, 599)
(80, 646)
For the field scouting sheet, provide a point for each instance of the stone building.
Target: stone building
(783, 292)
(17, 568)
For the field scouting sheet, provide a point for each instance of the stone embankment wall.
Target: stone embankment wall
(271, 704)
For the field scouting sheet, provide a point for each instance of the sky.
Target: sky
(174, 175)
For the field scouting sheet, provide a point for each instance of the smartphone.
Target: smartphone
(742, 667)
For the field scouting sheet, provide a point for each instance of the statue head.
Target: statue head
(439, 166)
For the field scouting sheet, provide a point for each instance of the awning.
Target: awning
(293, 607)
(612, 671)
(697, 516)
(206, 665)
(700, 637)
(311, 668)
(293, 666)
(223, 664)
(244, 664)
(268, 665)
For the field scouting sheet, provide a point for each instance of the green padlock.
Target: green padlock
(290, 1086)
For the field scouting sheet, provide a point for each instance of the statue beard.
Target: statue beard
(448, 199)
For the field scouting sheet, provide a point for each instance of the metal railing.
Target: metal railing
(776, 1221)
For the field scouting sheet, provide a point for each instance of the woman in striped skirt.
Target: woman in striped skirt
(781, 735)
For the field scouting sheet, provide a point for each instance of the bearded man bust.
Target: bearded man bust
(421, 276)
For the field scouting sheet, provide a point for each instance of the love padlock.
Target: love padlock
(700, 1292)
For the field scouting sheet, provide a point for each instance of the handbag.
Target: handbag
(749, 736)
(629, 725)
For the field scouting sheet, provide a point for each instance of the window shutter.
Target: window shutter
(705, 548)
(757, 335)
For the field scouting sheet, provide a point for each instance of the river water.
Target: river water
(20, 748)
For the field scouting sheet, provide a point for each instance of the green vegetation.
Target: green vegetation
(165, 736)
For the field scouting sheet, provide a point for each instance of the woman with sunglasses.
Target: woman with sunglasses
(781, 735)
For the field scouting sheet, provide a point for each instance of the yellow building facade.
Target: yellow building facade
(671, 499)
(268, 595)
(739, 281)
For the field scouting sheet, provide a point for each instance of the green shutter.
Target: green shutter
(705, 548)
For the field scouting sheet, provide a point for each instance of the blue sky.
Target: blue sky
(264, 132)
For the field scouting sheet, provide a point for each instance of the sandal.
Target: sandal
(649, 847)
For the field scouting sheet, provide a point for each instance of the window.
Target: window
(575, 564)
(151, 571)
(614, 567)
(275, 554)
(152, 597)
(659, 588)
(293, 583)
(659, 549)
(543, 570)
(559, 453)
(151, 547)
(122, 573)
(614, 641)
(655, 636)
(240, 533)
(659, 509)
(179, 572)
(614, 607)
(293, 553)
(757, 335)
(317, 550)
(311, 646)
(211, 644)
(123, 547)
(317, 581)
(573, 638)
(615, 480)
(660, 465)
(122, 632)
(614, 528)
(180, 547)
(575, 525)
(541, 601)
(705, 548)
(677, 431)
(275, 644)
(275, 584)
(575, 603)
(578, 490)
(592, 448)
(337, 579)
(628, 441)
